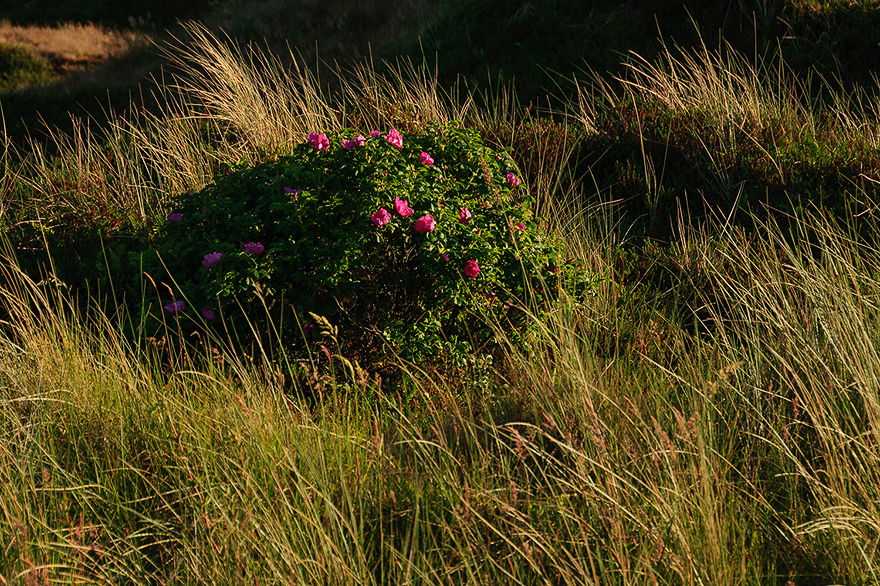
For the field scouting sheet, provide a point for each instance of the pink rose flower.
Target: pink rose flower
(354, 143)
(464, 216)
(394, 138)
(375, 133)
(471, 269)
(426, 158)
(211, 260)
(425, 224)
(175, 307)
(175, 217)
(512, 180)
(319, 141)
(401, 206)
(519, 227)
(381, 217)
(208, 313)
(253, 248)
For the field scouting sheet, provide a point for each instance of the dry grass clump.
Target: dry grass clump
(734, 94)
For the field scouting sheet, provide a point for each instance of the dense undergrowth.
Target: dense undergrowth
(709, 416)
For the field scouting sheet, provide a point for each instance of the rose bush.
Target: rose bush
(461, 244)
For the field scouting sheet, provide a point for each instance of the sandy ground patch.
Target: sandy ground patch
(71, 46)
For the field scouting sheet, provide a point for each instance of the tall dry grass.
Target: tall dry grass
(745, 460)
(737, 99)
(801, 318)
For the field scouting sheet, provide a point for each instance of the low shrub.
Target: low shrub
(410, 244)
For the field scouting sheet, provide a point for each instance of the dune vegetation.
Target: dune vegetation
(703, 409)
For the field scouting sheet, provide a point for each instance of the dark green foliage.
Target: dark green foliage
(95, 257)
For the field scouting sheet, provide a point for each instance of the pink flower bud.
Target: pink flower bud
(355, 143)
(253, 248)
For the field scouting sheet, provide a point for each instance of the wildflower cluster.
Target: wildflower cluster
(405, 241)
